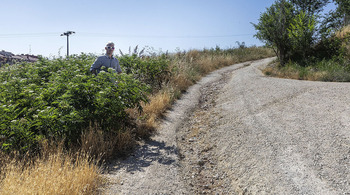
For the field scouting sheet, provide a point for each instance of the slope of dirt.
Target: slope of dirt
(239, 132)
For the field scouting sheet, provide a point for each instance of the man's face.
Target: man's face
(110, 49)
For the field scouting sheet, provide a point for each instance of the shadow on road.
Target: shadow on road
(144, 155)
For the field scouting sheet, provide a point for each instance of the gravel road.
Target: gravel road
(239, 132)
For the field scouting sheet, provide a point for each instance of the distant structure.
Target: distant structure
(9, 58)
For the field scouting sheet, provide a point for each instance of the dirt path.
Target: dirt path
(238, 132)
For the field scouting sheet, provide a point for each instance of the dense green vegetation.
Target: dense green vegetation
(305, 40)
(60, 98)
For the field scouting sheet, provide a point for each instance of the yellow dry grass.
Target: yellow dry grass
(290, 73)
(156, 107)
(208, 63)
(57, 173)
(343, 32)
(316, 76)
(105, 145)
(181, 82)
(93, 142)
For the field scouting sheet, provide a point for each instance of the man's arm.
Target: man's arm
(117, 68)
(96, 65)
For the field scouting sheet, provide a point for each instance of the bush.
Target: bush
(151, 70)
(328, 48)
(59, 99)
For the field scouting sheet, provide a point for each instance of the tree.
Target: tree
(290, 28)
(336, 19)
(344, 10)
(310, 7)
(273, 28)
(301, 34)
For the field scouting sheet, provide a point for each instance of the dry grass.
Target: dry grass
(305, 73)
(106, 145)
(54, 173)
(93, 142)
(289, 73)
(157, 106)
(343, 33)
(181, 82)
(207, 61)
(285, 73)
(152, 111)
(316, 76)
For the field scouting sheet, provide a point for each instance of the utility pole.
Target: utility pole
(67, 34)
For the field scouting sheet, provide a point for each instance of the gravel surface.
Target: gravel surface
(239, 132)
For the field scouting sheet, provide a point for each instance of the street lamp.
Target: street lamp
(67, 34)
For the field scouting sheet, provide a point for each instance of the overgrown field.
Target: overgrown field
(56, 115)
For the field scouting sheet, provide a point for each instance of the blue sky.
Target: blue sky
(35, 26)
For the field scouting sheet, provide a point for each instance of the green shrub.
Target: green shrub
(59, 99)
(335, 70)
(151, 70)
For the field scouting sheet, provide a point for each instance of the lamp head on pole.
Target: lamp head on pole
(67, 33)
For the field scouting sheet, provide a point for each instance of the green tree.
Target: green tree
(344, 10)
(301, 34)
(310, 7)
(337, 18)
(290, 28)
(273, 28)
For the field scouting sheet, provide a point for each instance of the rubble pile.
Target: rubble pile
(10, 58)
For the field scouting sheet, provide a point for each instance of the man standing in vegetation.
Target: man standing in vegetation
(107, 60)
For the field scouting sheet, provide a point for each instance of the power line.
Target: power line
(85, 34)
(161, 36)
(25, 35)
